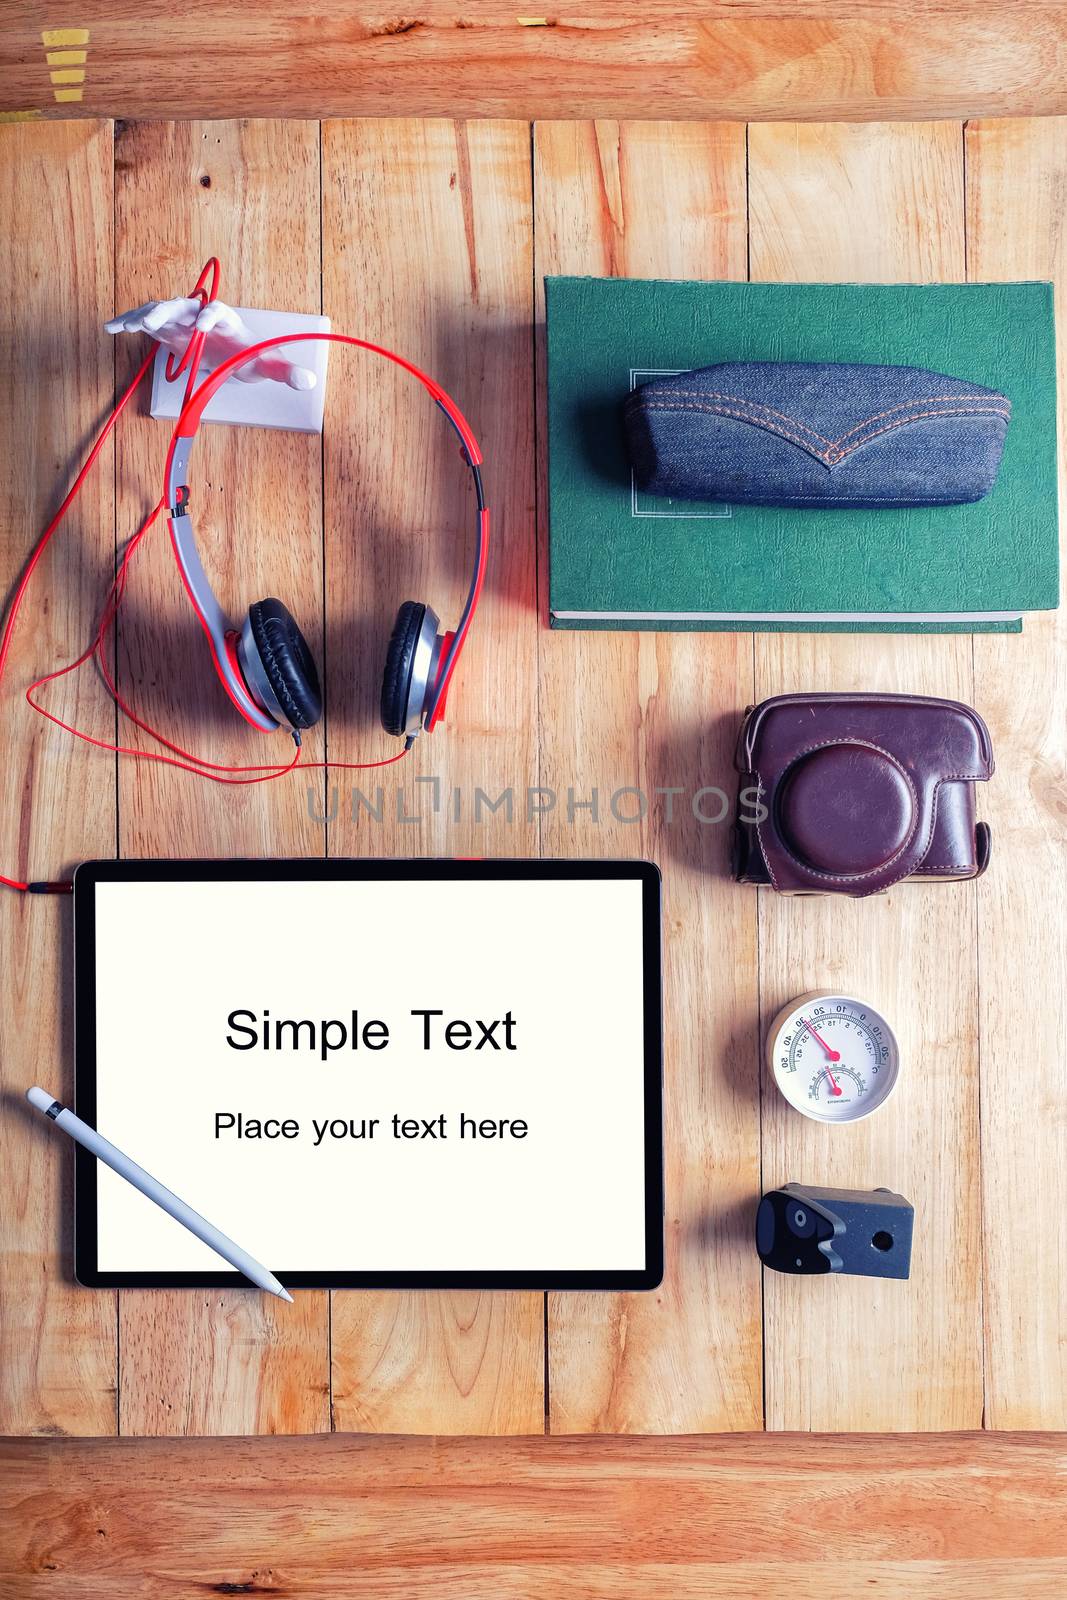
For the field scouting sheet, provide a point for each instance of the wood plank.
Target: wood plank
(838, 59)
(57, 798)
(231, 1362)
(427, 249)
(960, 1516)
(651, 711)
(875, 203)
(1016, 189)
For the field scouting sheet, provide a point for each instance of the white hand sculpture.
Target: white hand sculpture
(173, 322)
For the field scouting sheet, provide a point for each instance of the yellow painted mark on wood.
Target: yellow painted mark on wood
(54, 36)
(18, 116)
(68, 64)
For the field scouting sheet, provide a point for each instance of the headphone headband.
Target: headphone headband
(223, 642)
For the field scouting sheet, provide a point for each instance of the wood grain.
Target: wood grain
(623, 712)
(787, 1518)
(1016, 196)
(826, 59)
(428, 250)
(844, 204)
(229, 1362)
(57, 798)
(427, 242)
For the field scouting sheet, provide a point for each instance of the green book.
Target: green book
(623, 559)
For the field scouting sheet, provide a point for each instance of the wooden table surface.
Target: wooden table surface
(828, 59)
(793, 1517)
(434, 237)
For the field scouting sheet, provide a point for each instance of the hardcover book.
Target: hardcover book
(621, 558)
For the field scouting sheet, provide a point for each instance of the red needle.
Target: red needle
(834, 1055)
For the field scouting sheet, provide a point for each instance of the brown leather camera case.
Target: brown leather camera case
(852, 793)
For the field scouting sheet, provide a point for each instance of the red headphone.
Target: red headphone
(266, 666)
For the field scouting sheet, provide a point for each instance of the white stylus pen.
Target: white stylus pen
(106, 1152)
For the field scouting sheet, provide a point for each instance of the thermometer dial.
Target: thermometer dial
(835, 1058)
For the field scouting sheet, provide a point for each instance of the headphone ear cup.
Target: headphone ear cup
(399, 665)
(288, 667)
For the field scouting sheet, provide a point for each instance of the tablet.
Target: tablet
(373, 1074)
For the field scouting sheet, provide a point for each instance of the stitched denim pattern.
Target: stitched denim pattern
(807, 434)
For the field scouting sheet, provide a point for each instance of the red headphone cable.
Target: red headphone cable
(35, 556)
(205, 288)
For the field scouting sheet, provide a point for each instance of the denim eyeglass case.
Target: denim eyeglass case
(816, 435)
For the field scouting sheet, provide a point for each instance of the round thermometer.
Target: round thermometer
(834, 1057)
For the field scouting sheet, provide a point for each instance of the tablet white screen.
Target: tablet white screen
(369, 1076)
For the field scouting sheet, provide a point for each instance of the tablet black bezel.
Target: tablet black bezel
(435, 871)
